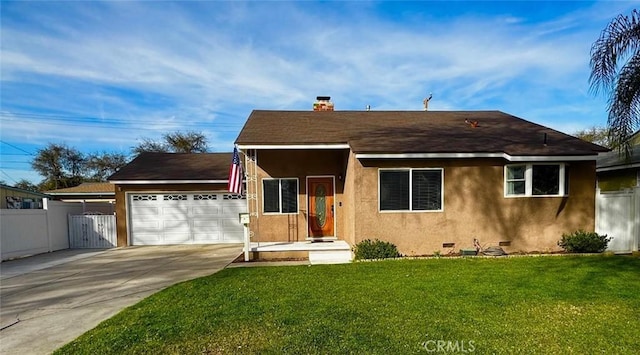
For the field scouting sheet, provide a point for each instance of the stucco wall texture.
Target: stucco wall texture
(475, 207)
(474, 204)
(297, 164)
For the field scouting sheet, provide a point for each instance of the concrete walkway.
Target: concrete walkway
(48, 300)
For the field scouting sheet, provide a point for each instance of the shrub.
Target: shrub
(584, 242)
(375, 249)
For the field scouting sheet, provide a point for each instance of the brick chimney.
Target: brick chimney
(323, 103)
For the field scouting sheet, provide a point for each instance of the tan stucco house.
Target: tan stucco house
(426, 181)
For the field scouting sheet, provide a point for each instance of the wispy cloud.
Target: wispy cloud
(159, 66)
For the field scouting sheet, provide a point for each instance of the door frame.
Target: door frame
(335, 210)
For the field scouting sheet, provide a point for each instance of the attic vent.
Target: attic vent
(323, 103)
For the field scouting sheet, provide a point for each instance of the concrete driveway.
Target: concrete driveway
(48, 300)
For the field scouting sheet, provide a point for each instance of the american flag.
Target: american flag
(235, 174)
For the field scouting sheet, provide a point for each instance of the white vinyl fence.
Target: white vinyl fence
(92, 231)
(30, 232)
(618, 216)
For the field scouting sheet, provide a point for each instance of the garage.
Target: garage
(185, 218)
(177, 198)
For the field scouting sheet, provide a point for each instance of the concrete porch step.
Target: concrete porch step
(330, 256)
(329, 252)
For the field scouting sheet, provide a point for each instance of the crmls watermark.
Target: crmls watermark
(449, 346)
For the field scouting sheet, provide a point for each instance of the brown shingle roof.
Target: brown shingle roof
(176, 166)
(86, 188)
(411, 132)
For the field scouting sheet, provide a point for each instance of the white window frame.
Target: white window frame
(280, 196)
(528, 179)
(410, 210)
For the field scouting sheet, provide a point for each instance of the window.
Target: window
(280, 195)
(410, 190)
(516, 180)
(536, 180)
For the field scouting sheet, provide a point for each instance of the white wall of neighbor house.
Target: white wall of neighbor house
(29, 232)
(618, 216)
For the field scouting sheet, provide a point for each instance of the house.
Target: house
(96, 197)
(618, 197)
(427, 181)
(617, 171)
(171, 198)
(15, 198)
(86, 192)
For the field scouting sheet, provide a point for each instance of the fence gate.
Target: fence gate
(618, 216)
(92, 231)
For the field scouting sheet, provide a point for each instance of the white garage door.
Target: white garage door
(185, 218)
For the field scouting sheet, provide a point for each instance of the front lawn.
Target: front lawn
(587, 304)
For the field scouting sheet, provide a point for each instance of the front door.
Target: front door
(321, 209)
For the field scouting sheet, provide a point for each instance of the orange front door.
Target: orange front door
(321, 209)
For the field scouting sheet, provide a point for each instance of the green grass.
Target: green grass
(582, 304)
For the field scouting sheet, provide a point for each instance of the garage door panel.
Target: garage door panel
(175, 213)
(185, 218)
(231, 223)
(147, 239)
(206, 225)
(175, 226)
(148, 226)
(205, 210)
(145, 211)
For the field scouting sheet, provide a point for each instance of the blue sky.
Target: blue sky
(99, 76)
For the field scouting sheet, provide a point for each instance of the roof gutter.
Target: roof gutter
(112, 193)
(618, 167)
(293, 146)
(161, 182)
(513, 158)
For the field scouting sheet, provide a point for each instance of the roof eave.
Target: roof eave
(513, 158)
(618, 167)
(164, 182)
(294, 146)
(111, 193)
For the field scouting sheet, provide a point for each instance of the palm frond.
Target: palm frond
(621, 36)
(624, 104)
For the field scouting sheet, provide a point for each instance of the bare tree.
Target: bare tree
(60, 165)
(102, 165)
(597, 135)
(26, 185)
(176, 142)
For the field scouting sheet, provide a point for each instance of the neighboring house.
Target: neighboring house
(86, 192)
(96, 197)
(172, 198)
(616, 171)
(15, 198)
(618, 198)
(426, 181)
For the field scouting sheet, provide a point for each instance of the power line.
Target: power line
(9, 176)
(139, 127)
(18, 148)
(52, 117)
